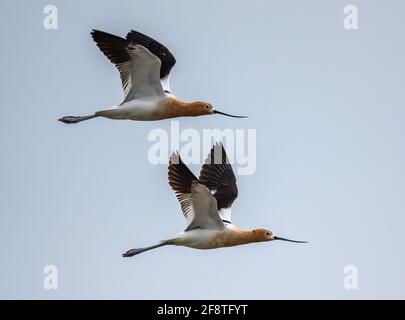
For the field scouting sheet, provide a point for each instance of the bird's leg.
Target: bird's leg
(74, 119)
(133, 252)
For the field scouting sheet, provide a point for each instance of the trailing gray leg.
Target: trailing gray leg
(74, 119)
(133, 252)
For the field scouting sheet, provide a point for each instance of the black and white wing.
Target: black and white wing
(166, 57)
(218, 176)
(139, 68)
(197, 203)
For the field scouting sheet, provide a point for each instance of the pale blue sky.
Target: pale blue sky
(328, 105)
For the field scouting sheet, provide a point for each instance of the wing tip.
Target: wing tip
(212, 157)
(95, 33)
(175, 158)
(180, 177)
(133, 32)
(102, 36)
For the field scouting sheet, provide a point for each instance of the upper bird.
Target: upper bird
(144, 66)
(206, 204)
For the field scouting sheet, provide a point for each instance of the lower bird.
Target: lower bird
(144, 66)
(206, 204)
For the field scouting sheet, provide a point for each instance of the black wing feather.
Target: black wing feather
(166, 57)
(217, 175)
(113, 47)
(180, 176)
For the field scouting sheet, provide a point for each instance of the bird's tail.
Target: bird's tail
(75, 119)
(133, 252)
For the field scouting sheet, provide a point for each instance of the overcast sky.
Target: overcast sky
(328, 106)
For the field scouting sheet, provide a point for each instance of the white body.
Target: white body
(133, 110)
(202, 238)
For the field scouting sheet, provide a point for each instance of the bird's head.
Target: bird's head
(201, 108)
(261, 235)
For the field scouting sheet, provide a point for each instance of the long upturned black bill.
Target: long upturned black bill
(285, 239)
(229, 115)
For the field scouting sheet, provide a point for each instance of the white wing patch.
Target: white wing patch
(165, 84)
(225, 214)
(200, 208)
(141, 75)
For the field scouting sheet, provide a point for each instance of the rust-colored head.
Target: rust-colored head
(260, 235)
(200, 108)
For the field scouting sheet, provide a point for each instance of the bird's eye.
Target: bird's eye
(267, 233)
(207, 107)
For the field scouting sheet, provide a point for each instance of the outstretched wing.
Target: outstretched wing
(166, 57)
(139, 68)
(218, 176)
(198, 205)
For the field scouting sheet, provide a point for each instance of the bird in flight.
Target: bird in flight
(144, 66)
(206, 204)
